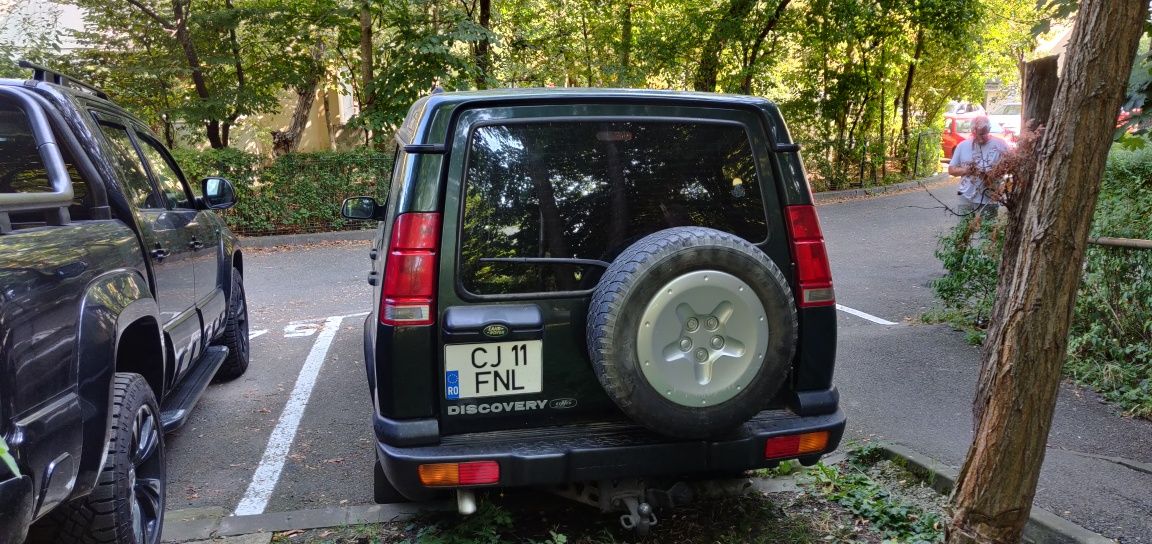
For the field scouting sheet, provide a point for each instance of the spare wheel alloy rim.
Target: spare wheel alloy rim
(702, 337)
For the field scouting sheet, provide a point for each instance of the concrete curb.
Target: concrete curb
(300, 239)
(178, 528)
(1043, 526)
(835, 196)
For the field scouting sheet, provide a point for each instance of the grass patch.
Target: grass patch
(894, 502)
(816, 514)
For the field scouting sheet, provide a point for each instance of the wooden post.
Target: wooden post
(1039, 82)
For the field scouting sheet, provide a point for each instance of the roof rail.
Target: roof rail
(40, 73)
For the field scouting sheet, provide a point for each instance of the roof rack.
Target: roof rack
(40, 73)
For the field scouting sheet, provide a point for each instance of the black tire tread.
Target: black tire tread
(93, 519)
(236, 364)
(621, 278)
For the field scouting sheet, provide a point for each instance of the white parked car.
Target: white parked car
(1006, 115)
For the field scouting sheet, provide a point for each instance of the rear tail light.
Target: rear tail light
(812, 270)
(409, 293)
(455, 474)
(782, 447)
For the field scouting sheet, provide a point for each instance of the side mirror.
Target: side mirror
(363, 208)
(218, 193)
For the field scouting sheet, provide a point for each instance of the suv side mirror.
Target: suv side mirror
(218, 193)
(362, 207)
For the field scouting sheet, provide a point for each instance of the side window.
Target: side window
(125, 160)
(167, 175)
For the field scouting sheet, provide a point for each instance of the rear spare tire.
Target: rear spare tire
(691, 331)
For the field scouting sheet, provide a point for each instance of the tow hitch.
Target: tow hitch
(639, 500)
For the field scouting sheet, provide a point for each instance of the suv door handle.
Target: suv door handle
(159, 254)
(196, 244)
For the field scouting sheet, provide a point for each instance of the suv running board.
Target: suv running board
(178, 406)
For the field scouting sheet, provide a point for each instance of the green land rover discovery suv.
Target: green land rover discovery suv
(596, 289)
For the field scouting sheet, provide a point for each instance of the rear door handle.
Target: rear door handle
(159, 254)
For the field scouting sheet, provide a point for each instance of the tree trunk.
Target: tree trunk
(625, 49)
(905, 106)
(483, 46)
(184, 38)
(288, 141)
(1027, 341)
(708, 70)
(1040, 86)
(366, 69)
(1039, 90)
(754, 53)
(329, 125)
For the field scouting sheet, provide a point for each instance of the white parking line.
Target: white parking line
(863, 315)
(254, 334)
(272, 463)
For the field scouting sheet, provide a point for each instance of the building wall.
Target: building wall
(326, 129)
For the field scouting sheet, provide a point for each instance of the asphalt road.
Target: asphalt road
(295, 432)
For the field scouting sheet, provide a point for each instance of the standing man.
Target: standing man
(972, 161)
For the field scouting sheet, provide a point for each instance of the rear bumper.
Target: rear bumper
(15, 508)
(556, 455)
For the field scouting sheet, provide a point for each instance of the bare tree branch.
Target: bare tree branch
(165, 23)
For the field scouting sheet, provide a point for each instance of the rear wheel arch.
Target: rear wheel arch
(140, 350)
(115, 302)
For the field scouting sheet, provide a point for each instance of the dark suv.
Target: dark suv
(121, 298)
(595, 286)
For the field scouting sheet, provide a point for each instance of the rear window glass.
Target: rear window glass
(588, 189)
(22, 170)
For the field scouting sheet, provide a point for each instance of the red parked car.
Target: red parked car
(958, 127)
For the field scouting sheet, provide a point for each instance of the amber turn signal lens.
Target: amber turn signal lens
(454, 474)
(795, 445)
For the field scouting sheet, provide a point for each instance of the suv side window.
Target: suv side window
(137, 188)
(167, 175)
(588, 189)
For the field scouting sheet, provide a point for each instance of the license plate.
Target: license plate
(492, 369)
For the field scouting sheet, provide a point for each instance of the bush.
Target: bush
(970, 253)
(296, 193)
(1110, 346)
(928, 160)
(1110, 342)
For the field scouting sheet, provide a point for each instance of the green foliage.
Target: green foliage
(927, 160)
(1110, 342)
(1110, 346)
(28, 31)
(417, 51)
(970, 253)
(490, 524)
(296, 193)
(891, 517)
(246, 53)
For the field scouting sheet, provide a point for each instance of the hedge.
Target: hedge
(293, 194)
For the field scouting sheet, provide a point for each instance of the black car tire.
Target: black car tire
(127, 504)
(631, 288)
(235, 336)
